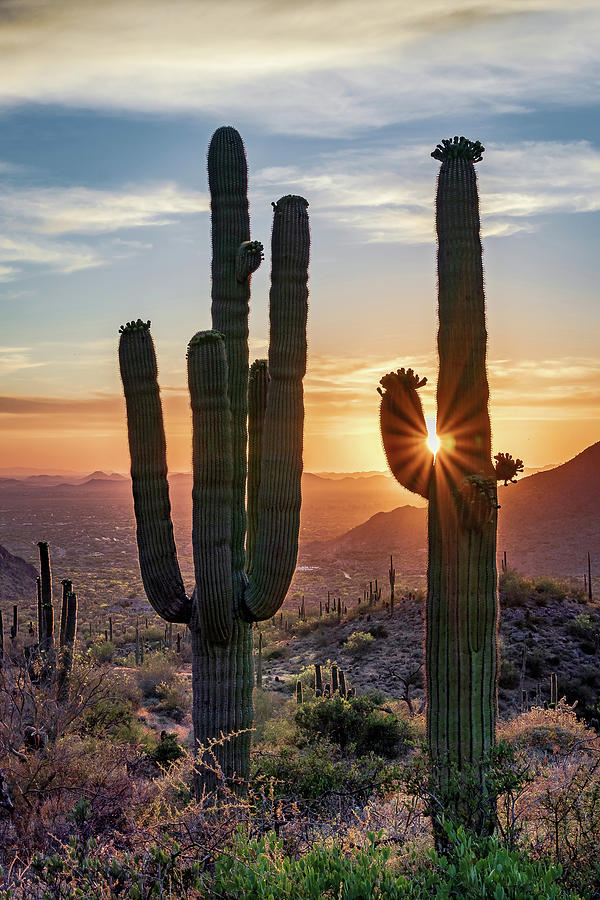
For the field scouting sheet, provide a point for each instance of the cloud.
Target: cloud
(80, 210)
(385, 193)
(34, 220)
(299, 67)
(55, 255)
(341, 392)
(15, 359)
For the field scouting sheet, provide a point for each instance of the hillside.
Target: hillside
(547, 523)
(17, 578)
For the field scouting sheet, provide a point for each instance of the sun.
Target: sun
(433, 441)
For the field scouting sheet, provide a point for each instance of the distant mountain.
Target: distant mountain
(17, 579)
(547, 523)
(103, 476)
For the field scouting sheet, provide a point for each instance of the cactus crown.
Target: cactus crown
(289, 198)
(138, 325)
(459, 148)
(257, 367)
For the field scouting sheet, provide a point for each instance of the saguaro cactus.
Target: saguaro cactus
(237, 583)
(460, 485)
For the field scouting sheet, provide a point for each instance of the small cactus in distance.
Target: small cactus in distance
(318, 681)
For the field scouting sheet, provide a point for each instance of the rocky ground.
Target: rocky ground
(541, 636)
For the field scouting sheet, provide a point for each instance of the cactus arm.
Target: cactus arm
(276, 546)
(258, 382)
(156, 545)
(234, 259)
(212, 489)
(404, 432)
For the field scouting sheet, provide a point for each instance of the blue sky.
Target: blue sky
(106, 111)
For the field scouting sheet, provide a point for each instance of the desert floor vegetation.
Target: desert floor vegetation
(337, 803)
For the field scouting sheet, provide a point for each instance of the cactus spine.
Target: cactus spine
(460, 485)
(235, 584)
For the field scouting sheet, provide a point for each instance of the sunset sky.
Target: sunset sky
(106, 111)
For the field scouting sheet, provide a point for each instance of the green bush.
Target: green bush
(584, 626)
(277, 652)
(167, 750)
(319, 772)
(513, 589)
(473, 869)
(155, 669)
(356, 724)
(102, 651)
(509, 674)
(175, 697)
(358, 642)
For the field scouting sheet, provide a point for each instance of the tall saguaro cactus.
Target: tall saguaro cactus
(460, 485)
(244, 558)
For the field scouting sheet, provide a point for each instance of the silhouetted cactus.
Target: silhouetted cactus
(67, 646)
(342, 684)
(234, 586)
(334, 678)
(299, 692)
(45, 598)
(67, 587)
(318, 681)
(460, 485)
(14, 629)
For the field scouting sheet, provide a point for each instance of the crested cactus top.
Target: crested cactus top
(459, 148)
(136, 325)
(258, 366)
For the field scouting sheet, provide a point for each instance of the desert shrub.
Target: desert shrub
(536, 663)
(81, 869)
(547, 731)
(321, 772)
(551, 590)
(509, 674)
(358, 642)
(378, 631)
(584, 626)
(472, 869)
(167, 750)
(356, 723)
(175, 697)
(155, 669)
(102, 651)
(277, 652)
(514, 590)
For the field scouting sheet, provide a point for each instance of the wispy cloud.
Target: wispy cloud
(15, 359)
(80, 210)
(34, 222)
(58, 256)
(299, 67)
(343, 390)
(385, 193)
